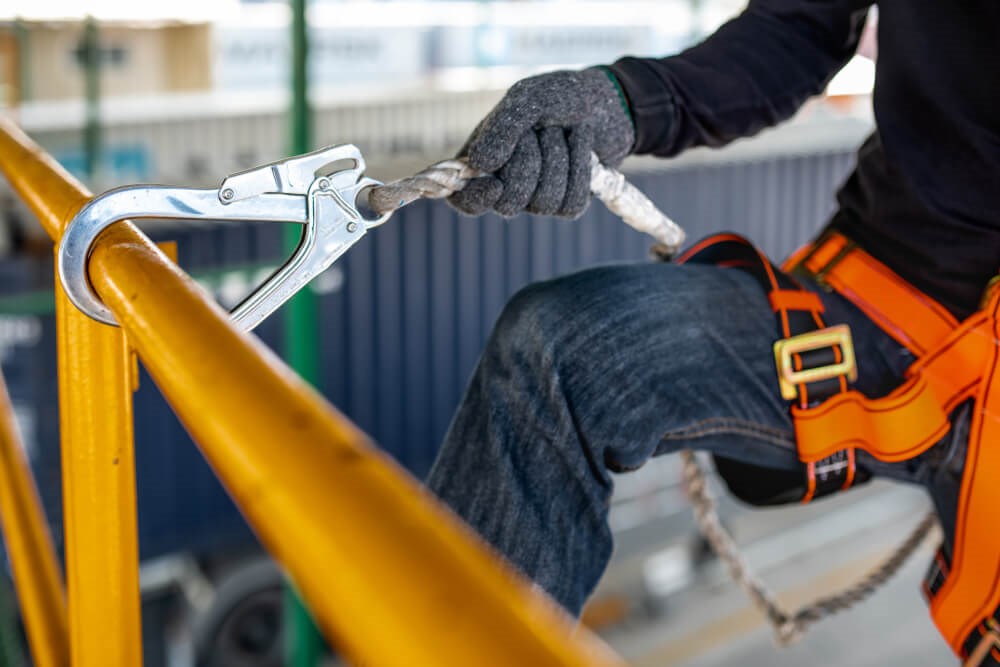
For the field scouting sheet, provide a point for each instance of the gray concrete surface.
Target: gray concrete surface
(802, 553)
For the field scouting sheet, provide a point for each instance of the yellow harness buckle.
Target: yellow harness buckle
(835, 336)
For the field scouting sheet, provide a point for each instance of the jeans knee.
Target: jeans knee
(534, 319)
(560, 318)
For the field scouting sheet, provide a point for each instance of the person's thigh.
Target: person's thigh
(654, 357)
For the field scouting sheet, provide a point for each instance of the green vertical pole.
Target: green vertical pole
(23, 61)
(11, 648)
(303, 644)
(301, 120)
(92, 85)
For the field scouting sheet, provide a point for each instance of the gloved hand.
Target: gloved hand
(536, 145)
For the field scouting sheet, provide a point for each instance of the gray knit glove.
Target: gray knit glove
(537, 142)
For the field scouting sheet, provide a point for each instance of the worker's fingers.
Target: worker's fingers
(551, 190)
(519, 176)
(580, 142)
(478, 196)
(493, 143)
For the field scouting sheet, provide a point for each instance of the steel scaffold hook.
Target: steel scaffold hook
(313, 190)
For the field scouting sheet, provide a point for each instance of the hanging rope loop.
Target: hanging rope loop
(787, 628)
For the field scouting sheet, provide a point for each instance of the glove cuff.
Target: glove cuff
(622, 97)
(652, 106)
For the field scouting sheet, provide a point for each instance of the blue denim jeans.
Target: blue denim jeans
(600, 370)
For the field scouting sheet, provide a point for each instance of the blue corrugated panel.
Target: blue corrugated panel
(27, 353)
(403, 325)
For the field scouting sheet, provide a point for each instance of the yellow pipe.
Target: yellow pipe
(101, 542)
(50, 191)
(99, 504)
(392, 577)
(29, 547)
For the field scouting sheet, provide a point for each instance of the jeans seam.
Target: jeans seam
(731, 426)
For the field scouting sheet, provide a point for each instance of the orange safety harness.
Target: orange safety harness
(955, 362)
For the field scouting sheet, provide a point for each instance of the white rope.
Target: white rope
(609, 185)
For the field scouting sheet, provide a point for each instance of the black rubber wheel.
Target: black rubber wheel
(243, 626)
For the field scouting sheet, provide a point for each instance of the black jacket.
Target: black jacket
(925, 196)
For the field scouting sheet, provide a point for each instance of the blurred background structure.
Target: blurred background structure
(186, 92)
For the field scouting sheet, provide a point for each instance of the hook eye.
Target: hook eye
(362, 203)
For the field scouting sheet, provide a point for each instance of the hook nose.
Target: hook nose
(145, 202)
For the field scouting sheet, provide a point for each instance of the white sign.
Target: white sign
(260, 58)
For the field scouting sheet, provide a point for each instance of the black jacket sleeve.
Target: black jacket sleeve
(753, 72)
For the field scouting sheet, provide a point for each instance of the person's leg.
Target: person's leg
(596, 372)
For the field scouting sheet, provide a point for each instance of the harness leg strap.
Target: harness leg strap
(813, 363)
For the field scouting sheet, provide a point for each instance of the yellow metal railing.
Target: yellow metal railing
(393, 578)
(29, 547)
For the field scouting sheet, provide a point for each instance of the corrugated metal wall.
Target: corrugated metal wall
(404, 316)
